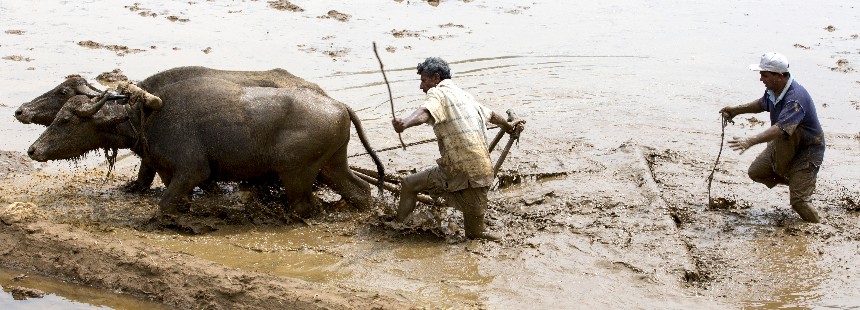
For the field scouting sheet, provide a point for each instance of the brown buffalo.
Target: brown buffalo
(42, 109)
(215, 129)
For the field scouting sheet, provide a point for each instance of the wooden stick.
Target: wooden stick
(496, 140)
(514, 137)
(390, 96)
(501, 133)
(393, 188)
(388, 178)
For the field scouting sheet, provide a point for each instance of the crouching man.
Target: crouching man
(795, 140)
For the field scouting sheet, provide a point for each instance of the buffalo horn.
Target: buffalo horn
(89, 108)
(85, 89)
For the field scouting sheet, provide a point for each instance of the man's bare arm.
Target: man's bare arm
(499, 120)
(742, 144)
(732, 111)
(420, 116)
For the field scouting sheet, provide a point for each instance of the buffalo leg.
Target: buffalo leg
(175, 198)
(165, 178)
(337, 175)
(298, 189)
(145, 176)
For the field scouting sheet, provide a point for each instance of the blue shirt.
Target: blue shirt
(794, 112)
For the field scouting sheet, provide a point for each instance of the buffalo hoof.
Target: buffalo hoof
(134, 187)
(302, 211)
(174, 209)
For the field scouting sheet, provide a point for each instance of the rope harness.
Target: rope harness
(131, 100)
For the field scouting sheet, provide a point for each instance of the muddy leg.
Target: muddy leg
(175, 198)
(473, 202)
(145, 176)
(761, 169)
(800, 187)
(337, 175)
(409, 189)
(298, 189)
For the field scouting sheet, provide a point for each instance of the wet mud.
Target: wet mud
(120, 50)
(284, 5)
(333, 14)
(602, 204)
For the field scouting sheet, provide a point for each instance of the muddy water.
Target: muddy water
(327, 253)
(594, 80)
(62, 295)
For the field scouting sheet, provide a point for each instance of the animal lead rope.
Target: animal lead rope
(723, 122)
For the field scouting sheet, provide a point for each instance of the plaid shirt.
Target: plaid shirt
(459, 122)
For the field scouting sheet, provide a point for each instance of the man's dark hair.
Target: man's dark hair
(433, 65)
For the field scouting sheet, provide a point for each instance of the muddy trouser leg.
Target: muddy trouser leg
(473, 203)
(761, 169)
(409, 189)
(801, 184)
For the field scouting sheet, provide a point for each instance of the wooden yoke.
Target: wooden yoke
(136, 93)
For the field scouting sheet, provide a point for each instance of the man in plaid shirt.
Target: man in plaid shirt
(464, 172)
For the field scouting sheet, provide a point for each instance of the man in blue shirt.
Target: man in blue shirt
(795, 140)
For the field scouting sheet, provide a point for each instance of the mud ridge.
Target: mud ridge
(652, 191)
(175, 279)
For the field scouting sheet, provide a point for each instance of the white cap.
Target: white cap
(772, 62)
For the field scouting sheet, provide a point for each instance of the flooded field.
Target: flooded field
(603, 202)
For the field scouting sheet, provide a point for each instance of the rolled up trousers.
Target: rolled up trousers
(800, 175)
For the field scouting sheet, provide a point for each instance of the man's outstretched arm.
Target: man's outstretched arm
(420, 116)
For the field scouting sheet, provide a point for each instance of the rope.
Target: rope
(139, 134)
(397, 147)
(723, 122)
(408, 144)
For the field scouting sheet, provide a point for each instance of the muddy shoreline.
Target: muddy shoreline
(175, 279)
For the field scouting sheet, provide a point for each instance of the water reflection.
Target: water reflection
(62, 295)
(792, 276)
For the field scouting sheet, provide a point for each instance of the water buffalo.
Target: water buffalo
(42, 109)
(214, 129)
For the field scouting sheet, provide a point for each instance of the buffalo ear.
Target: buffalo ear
(110, 114)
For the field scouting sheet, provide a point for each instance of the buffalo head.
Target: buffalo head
(44, 108)
(82, 125)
